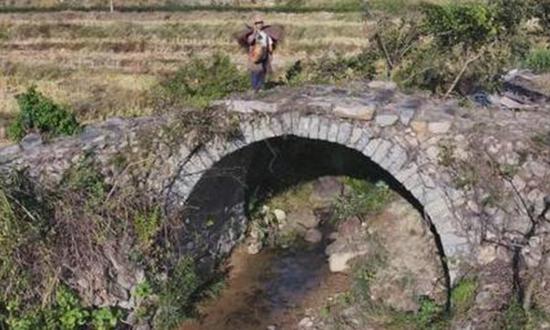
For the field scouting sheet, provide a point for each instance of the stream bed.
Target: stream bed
(274, 289)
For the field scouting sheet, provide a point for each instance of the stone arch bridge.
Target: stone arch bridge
(481, 176)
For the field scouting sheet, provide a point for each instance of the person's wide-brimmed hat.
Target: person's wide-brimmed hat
(257, 18)
(275, 31)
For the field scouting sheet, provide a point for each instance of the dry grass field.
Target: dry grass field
(105, 64)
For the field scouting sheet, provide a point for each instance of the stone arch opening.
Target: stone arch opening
(216, 209)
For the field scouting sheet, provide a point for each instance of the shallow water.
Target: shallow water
(274, 287)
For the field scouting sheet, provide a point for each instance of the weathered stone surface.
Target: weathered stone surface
(31, 141)
(280, 215)
(313, 235)
(419, 127)
(378, 84)
(355, 111)
(242, 106)
(439, 127)
(407, 242)
(406, 115)
(384, 120)
(344, 133)
(325, 191)
(333, 131)
(304, 218)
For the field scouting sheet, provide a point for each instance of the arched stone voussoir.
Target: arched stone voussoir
(262, 129)
(344, 133)
(302, 127)
(357, 133)
(391, 156)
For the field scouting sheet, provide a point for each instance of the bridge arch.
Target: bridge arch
(388, 155)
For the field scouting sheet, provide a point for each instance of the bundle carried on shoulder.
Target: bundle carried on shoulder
(260, 49)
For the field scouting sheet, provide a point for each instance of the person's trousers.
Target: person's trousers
(258, 79)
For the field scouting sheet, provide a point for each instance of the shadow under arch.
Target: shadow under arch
(216, 210)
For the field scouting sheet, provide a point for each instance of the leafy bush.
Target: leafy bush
(199, 82)
(428, 314)
(436, 70)
(176, 297)
(472, 24)
(105, 318)
(39, 113)
(538, 60)
(65, 313)
(68, 311)
(397, 38)
(541, 10)
(143, 290)
(464, 47)
(541, 139)
(509, 14)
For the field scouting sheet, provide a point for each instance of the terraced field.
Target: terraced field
(104, 64)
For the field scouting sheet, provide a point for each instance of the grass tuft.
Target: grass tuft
(538, 60)
(463, 295)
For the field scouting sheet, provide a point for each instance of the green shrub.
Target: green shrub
(199, 82)
(509, 14)
(176, 297)
(472, 24)
(39, 113)
(538, 60)
(105, 318)
(64, 313)
(67, 311)
(541, 10)
(399, 38)
(363, 275)
(143, 290)
(435, 69)
(428, 314)
(459, 47)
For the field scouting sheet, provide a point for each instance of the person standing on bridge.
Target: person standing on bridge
(260, 41)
